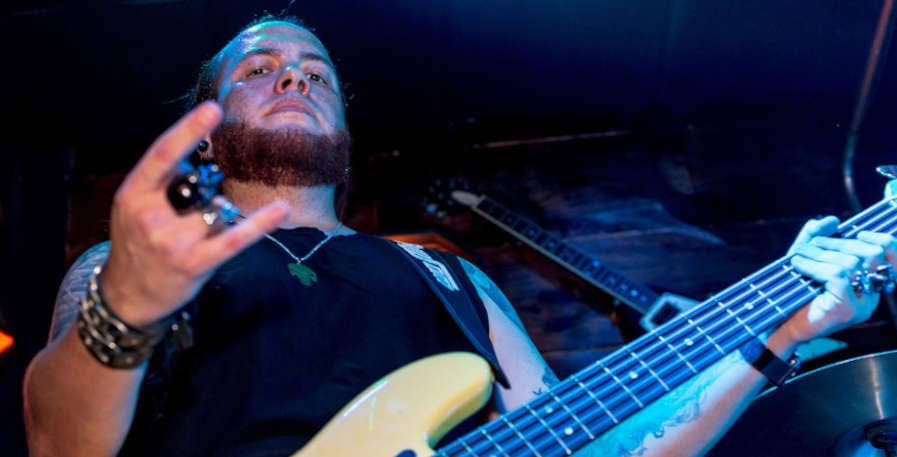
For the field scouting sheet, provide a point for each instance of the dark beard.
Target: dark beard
(288, 157)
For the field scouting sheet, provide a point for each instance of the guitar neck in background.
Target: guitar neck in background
(627, 291)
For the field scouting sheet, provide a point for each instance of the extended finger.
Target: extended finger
(155, 167)
(822, 272)
(824, 255)
(886, 241)
(872, 254)
(814, 227)
(215, 250)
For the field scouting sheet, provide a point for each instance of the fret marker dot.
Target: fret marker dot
(689, 342)
(633, 375)
(748, 306)
(568, 431)
(549, 410)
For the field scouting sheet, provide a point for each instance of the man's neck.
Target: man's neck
(309, 206)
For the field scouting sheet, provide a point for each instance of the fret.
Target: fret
(595, 398)
(802, 279)
(520, 435)
(621, 384)
(582, 262)
(569, 431)
(466, 447)
(493, 442)
(735, 316)
(766, 297)
(530, 232)
(642, 362)
(496, 211)
(550, 430)
(707, 335)
(566, 253)
(591, 268)
(486, 205)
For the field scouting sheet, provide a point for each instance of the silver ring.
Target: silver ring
(882, 279)
(219, 213)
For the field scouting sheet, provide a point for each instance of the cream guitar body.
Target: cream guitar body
(407, 411)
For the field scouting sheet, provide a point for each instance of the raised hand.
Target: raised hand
(159, 259)
(835, 262)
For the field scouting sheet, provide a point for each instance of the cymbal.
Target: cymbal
(835, 411)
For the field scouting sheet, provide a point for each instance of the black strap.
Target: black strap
(462, 303)
(776, 370)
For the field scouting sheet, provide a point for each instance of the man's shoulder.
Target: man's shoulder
(73, 285)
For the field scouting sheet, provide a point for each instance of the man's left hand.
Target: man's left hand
(833, 262)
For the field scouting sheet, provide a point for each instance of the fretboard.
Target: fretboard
(587, 404)
(583, 265)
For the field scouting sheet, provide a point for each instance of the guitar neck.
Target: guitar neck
(632, 293)
(576, 411)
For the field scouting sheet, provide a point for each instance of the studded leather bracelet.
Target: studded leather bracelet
(111, 340)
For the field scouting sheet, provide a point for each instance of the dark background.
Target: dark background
(709, 131)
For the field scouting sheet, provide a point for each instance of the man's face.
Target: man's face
(277, 76)
(284, 121)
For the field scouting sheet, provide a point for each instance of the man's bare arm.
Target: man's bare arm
(691, 418)
(73, 404)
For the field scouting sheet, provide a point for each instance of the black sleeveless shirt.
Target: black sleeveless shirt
(274, 360)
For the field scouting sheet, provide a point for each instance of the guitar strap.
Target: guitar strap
(445, 276)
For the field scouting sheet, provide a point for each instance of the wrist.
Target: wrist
(127, 304)
(781, 343)
(111, 340)
(774, 358)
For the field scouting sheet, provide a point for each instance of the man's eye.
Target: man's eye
(256, 71)
(316, 78)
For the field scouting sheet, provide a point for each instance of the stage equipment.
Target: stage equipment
(847, 409)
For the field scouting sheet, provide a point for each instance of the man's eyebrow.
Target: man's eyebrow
(277, 53)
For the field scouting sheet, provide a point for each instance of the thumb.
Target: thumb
(891, 188)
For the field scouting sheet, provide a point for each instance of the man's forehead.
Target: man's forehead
(275, 35)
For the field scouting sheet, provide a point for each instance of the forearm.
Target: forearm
(689, 420)
(75, 406)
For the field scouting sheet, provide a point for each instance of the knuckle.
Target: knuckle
(146, 219)
(192, 267)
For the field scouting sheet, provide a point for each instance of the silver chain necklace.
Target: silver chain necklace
(303, 272)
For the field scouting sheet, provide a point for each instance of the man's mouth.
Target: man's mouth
(290, 106)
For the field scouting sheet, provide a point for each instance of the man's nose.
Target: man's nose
(292, 78)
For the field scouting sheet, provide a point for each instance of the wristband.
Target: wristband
(766, 362)
(111, 340)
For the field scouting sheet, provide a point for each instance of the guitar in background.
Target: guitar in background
(655, 309)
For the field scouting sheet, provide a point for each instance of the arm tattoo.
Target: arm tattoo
(484, 284)
(548, 379)
(71, 291)
(681, 406)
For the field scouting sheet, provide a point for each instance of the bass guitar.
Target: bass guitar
(406, 413)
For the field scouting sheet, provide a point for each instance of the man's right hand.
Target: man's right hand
(159, 259)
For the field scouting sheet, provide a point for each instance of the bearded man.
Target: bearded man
(294, 313)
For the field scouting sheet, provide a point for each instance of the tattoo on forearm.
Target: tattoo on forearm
(548, 379)
(73, 286)
(687, 403)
